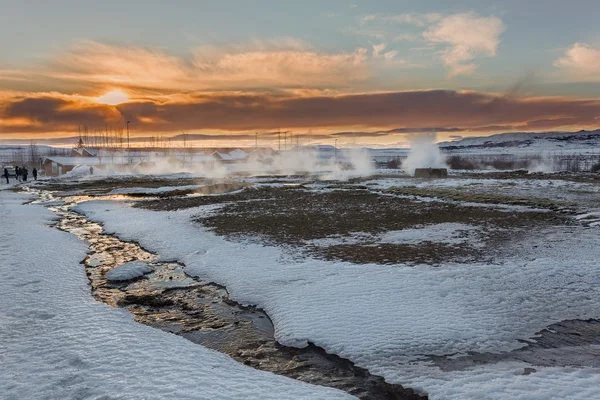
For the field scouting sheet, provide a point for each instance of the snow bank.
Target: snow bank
(127, 271)
(508, 381)
(386, 318)
(56, 342)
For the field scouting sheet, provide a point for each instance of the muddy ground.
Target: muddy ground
(105, 185)
(294, 216)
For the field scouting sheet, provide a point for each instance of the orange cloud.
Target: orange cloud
(270, 65)
(448, 110)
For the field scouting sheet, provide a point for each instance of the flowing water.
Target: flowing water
(202, 312)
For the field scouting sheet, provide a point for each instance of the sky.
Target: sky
(360, 72)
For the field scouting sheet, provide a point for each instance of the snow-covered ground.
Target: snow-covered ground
(56, 342)
(591, 218)
(447, 233)
(457, 182)
(583, 142)
(552, 189)
(388, 318)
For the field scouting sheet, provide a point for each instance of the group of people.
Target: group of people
(21, 174)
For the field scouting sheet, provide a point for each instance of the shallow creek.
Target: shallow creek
(202, 312)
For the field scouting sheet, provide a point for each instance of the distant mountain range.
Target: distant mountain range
(582, 141)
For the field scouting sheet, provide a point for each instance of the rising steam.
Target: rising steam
(341, 164)
(424, 153)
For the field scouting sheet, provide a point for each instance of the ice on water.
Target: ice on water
(128, 271)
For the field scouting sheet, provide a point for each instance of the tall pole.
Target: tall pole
(128, 146)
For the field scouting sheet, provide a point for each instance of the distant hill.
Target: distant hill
(582, 141)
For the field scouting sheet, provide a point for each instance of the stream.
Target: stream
(202, 312)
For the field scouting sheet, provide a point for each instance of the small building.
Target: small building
(231, 157)
(55, 166)
(259, 155)
(431, 173)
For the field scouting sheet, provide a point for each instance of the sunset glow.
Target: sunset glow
(113, 98)
(371, 73)
(315, 199)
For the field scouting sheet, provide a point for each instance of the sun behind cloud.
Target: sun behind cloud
(113, 98)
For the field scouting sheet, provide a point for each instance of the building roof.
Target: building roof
(83, 152)
(238, 154)
(73, 161)
(233, 155)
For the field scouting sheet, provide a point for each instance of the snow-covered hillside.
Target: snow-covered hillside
(572, 142)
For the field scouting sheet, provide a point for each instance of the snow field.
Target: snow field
(57, 342)
(386, 318)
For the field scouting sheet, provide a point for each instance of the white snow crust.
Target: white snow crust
(127, 271)
(386, 318)
(56, 342)
(447, 233)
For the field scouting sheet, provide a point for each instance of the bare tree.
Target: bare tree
(120, 137)
(19, 156)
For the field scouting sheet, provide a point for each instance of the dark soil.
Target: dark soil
(216, 188)
(457, 194)
(293, 216)
(385, 253)
(104, 186)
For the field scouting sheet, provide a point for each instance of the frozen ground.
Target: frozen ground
(392, 318)
(591, 217)
(447, 233)
(515, 186)
(557, 190)
(56, 342)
